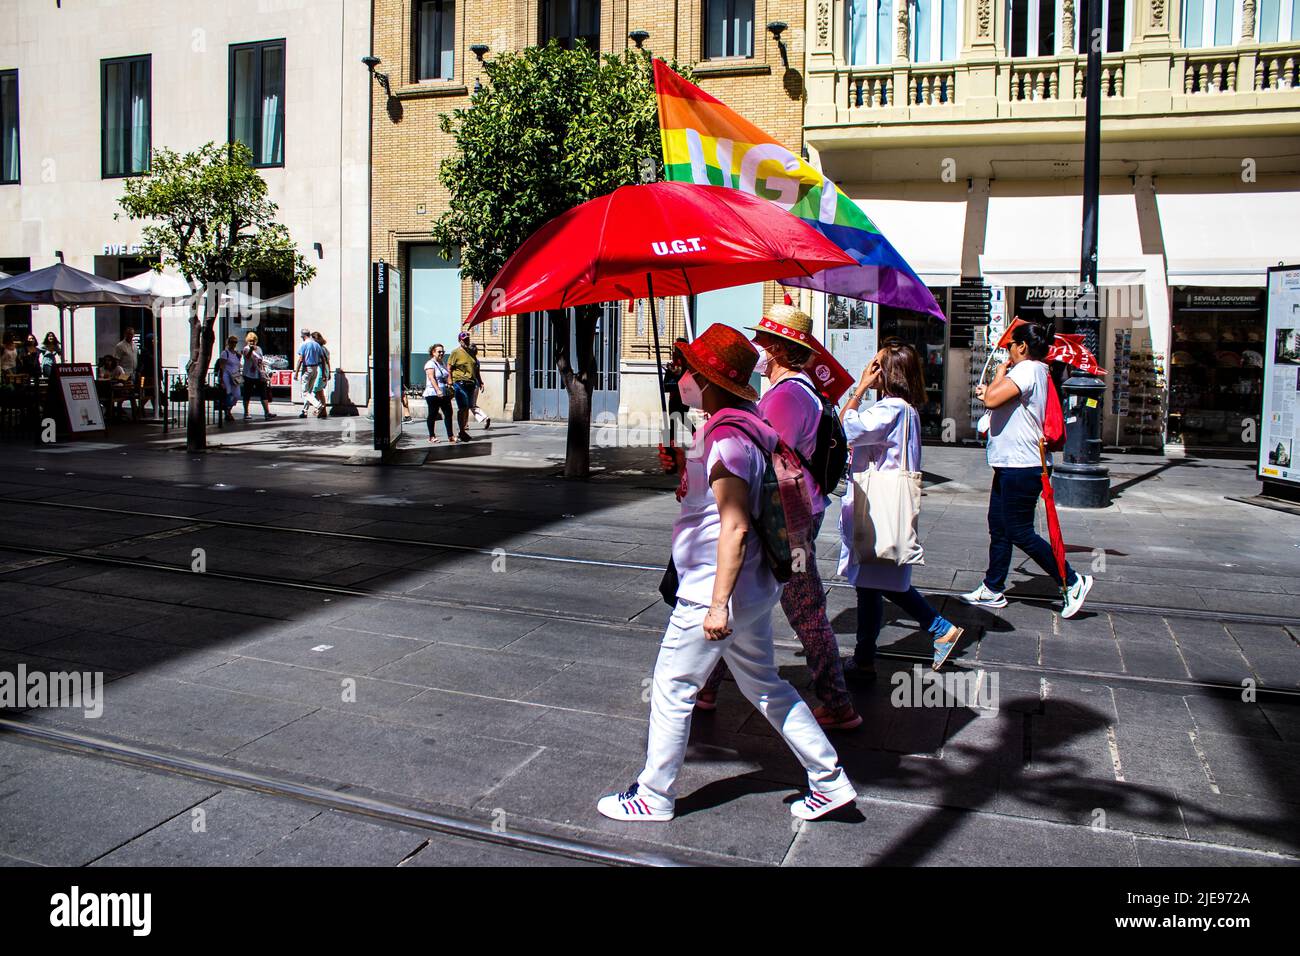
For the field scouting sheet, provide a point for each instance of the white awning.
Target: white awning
(928, 233)
(1227, 238)
(1034, 240)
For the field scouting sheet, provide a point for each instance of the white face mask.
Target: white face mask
(763, 358)
(690, 391)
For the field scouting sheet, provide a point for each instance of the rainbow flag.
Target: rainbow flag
(707, 143)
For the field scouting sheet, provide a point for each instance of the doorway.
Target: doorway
(547, 397)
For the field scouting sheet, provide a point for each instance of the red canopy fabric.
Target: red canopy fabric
(661, 239)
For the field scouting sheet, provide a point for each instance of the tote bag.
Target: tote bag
(886, 507)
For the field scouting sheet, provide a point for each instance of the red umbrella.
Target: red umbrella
(1054, 535)
(656, 239)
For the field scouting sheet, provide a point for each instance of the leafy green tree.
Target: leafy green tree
(213, 222)
(552, 129)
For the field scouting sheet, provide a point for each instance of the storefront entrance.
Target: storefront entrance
(548, 400)
(929, 336)
(16, 319)
(1216, 374)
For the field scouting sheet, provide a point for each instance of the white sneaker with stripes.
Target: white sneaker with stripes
(631, 808)
(817, 804)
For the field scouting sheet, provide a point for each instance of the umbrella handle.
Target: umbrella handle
(659, 363)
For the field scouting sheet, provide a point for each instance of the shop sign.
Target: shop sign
(1219, 300)
(121, 249)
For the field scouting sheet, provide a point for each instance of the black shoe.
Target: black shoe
(855, 673)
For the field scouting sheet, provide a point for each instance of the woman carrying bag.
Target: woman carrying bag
(878, 522)
(437, 393)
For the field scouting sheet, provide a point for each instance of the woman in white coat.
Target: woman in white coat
(886, 436)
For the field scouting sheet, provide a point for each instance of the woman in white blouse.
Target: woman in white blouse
(876, 438)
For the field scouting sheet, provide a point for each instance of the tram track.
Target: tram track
(1279, 694)
(353, 804)
(1196, 614)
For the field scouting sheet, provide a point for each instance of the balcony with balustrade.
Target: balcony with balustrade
(1155, 87)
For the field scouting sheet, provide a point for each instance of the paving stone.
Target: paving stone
(1080, 653)
(338, 839)
(1165, 759)
(317, 688)
(595, 733)
(594, 688)
(68, 811)
(1230, 716)
(591, 643)
(1253, 766)
(470, 713)
(1150, 659)
(167, 712)
(439, 766)
(331, 648)
(472, 670)
(234, 828)
(1234, 820)
(1153, 708)
(440, 850)
(430, 623)
(1168, 853)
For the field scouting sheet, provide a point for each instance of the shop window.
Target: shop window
(125, 135)
(435, 40)
(870, 32)
(434, 311)
(1209, 22)
(9, 168)
(728, 28)
(1216, 368)
(1031, 27)
(569, 22)
(927, 334)
(257, 100)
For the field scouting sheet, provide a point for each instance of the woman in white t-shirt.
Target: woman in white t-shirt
(438, 393)
(1017, 402)
(725, 592)
(886, 436)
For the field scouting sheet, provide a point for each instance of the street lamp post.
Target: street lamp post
(1081, 481)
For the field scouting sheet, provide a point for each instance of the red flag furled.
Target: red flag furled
(1067, 349)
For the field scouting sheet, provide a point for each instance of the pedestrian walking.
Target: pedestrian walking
(464, 383)
(793, 407)
(724, 592)
(679, 422)
(438, 392)
(1017, 402)
(324, 378)
(480, 416)
(257, 377)
(886, 436)
(310, 357)
(230, 375)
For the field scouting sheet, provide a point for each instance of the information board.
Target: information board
(386, 323)
(1280, 416)
(74, 399)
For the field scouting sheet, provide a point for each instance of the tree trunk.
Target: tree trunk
(578, 374)
(201, 340)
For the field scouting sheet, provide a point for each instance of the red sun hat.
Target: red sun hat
(724, 357)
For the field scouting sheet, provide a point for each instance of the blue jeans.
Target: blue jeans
(1012, 504)
(871, 617)
(465, 393)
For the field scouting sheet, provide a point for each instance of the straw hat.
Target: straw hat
(725, 358)
(788, 322)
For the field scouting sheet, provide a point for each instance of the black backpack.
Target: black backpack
(830, 456)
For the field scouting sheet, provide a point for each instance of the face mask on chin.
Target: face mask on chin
(690, 391)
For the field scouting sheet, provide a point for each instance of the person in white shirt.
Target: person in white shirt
(886, 436)
(1017, 403)
(124, 352)
(725, 593)
(792, 405)
(438, 393)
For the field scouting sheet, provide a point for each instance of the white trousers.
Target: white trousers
(686, 658)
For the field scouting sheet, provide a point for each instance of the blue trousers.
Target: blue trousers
(871, 617)
(1012, 503)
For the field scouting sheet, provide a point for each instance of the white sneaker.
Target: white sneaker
(1074, 596)
(983, 597)
(631, 808)
(817, 804)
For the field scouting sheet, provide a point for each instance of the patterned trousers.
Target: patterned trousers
(804, 601)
